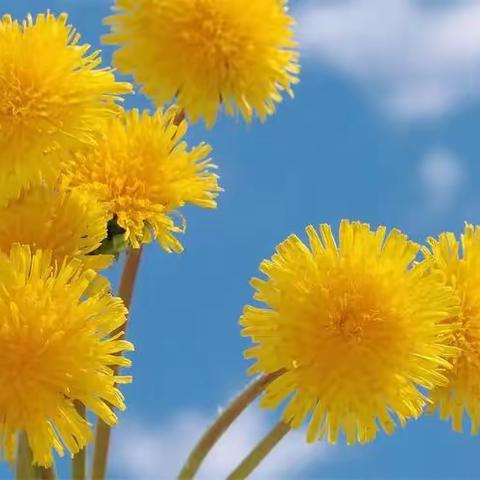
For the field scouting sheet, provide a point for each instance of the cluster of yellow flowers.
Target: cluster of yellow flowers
(82, 179)
(56, 329)
(359, 334)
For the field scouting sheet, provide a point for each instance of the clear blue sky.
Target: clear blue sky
(350, 145)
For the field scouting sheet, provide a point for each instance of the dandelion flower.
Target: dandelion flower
(460, 263)
(143, 172)
(56, 350)
(356, 331)
(69, 224)
(206, 53)
(53, 95)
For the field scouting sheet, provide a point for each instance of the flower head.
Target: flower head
(206, 53)
(143, 172)
(56, 349)
(52, 98)
(354, 328)
(70, 224)
(460, 263)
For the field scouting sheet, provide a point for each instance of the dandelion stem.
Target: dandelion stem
(103, 432)
(43, 473)
(226, 418)
(79, 460)
(129, 276)
(24, 469)
(260, 452)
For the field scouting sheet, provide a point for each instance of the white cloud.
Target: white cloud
(442, 175)
(417, 60)
(444, 194)
(144, 452)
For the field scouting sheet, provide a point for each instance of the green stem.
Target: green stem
(260, 452)
(79, 460)
(218, 428)
(102, 446)
(43, 473)
(24, 460)
(103, 431)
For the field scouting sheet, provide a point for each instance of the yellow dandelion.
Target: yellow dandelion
(56, 349)
(52, 97)
(205, 53)
(70, 224)
(460, 263)
(354, 328)
(143, 172)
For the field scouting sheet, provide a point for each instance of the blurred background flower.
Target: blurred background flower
(70, 224)
(207, 54)
(459, 261)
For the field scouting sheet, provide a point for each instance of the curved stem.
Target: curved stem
(260, 452)
(129, 276)
(218, 428)
(24, 460)
(79, 460)
(103, 432)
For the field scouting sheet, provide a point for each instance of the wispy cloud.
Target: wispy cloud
(144, 451)
(443, 193)
(416, 59)
(441, 174)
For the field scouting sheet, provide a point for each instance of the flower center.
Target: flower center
(217, 41)
(353, 309)
(354, 316)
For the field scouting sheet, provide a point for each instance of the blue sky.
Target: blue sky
(384, 129)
